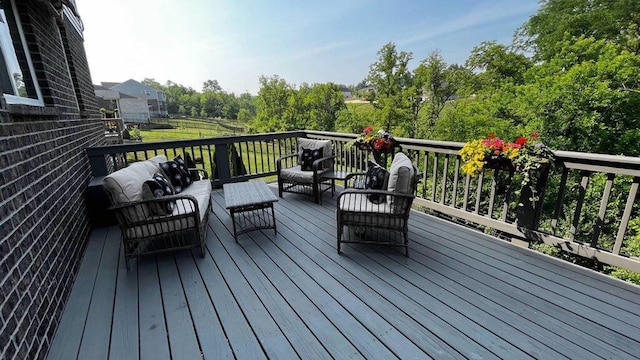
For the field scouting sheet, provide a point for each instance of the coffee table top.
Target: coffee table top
(247, 193)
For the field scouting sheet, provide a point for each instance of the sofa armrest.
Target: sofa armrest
(137, 212)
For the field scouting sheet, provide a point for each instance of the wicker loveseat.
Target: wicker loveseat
(377, 216)
(157, 224)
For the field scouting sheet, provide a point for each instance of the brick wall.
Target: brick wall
(43, 227)
(79, 69)
(48, 56)
(43, 175)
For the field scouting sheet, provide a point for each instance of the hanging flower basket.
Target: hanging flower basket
(498, 162)
(378, 143)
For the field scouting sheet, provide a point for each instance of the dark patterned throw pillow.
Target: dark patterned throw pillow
(177, 172)
(377, 177)
(157, 187)
(307, 158)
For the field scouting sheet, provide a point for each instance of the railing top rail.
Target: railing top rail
(627, 162)
(112, 149)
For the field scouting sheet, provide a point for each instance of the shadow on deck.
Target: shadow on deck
(460, 294)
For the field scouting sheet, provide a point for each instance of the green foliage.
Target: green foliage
(611, 21)
(585, 98)
(282, 107)
(497, 65)
(391, 77)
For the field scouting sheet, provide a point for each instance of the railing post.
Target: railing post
(222, 172)
(98, 164)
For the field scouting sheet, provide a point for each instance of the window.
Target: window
(17, 80)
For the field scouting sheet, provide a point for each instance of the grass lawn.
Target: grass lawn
(192, 129)
(254, 161)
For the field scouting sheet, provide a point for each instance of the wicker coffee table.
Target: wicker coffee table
(252, 202)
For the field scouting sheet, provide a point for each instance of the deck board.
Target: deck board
(102, 299)
(206, 322)
(124, 331)
(67, 343)
(460, 294)
(152, 327)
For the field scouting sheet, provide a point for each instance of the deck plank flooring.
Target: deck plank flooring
(460, 294)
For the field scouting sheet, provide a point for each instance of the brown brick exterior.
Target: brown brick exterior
(43, 176)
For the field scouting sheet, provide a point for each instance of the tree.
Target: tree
(585, 98)
(497, 64)
(174, 93)
(153, 83)
(272, 103)
(248, 103)
(615, 21)
(211, 85)
(323, 102)
(391, 77)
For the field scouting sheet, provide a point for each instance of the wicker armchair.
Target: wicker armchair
(292, 178)
(377, 216)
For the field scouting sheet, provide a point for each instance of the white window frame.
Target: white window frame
(8, 52)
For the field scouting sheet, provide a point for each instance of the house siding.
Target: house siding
(44, 173)
(134, 110)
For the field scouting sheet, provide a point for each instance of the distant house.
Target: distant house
(346, 92)
(156, 100)
(131, 109)
(364, 91)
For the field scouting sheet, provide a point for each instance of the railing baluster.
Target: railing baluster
(479, 193)
(576, 217)
(465, 198)
(424, 174)
(624, 221)
(445, 170)
(559, 201)
(492, 192)
(456, 174)
(597, 229)
(434, 181)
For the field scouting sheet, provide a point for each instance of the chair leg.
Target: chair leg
(339, 235)
(279, 188)
(406, 244)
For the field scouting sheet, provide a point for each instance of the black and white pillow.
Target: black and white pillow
(157, 187)
(178, 173)
(377, 178)
(308, 156)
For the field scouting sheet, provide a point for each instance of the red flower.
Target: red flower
(380, 145)
(367, 130)
(521, 140)
(535, 135)
(491, 136)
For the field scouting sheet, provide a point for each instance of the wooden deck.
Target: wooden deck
(460, 294)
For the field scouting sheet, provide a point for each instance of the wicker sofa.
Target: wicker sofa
(151, 224)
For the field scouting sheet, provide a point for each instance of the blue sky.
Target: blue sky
(237, 41)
